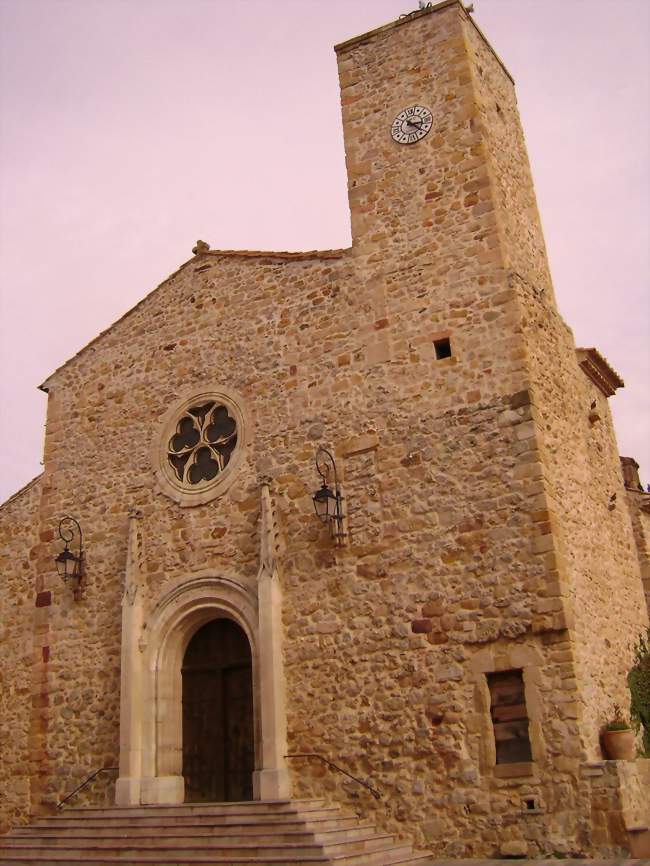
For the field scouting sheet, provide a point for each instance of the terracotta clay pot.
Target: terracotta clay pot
(620, 745)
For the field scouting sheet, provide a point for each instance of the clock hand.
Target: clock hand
(410, 123)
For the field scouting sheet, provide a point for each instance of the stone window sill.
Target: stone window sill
(510, 771)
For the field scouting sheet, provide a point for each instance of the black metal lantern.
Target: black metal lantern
(328, 504)
(324, 503)
(69, 565)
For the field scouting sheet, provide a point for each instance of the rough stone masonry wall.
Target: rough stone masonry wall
(591, 542)
(19, 649)
(103, 418)
(639, 507)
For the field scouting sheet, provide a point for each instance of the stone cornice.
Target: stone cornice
(596, 367)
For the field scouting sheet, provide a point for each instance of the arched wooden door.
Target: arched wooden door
(218, 739)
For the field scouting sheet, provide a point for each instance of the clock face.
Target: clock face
(412, 124)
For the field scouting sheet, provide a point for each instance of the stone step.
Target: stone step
(343, 821)
(253, 807)
(189, 845)
(416, 858)
(387, 857)
(194, 818)
(279, 833)
(260, 833)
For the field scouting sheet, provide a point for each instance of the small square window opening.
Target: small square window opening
(443, 348)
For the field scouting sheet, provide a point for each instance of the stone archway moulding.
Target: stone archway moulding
(153, 645)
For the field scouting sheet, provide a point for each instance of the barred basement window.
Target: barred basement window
(509, 717)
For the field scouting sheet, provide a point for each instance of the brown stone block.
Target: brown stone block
(543, 543)
(521, 398)
(548, 605)
(550, 563)
(616, 827)
(527, 471)
(325, 558)
(43, 599)
(470, 604)
(421, 626)
(447, 622)
(563, 620)
(433, 608)
(552, 588)
(542, 624)
(521, 769)
(39, 756)
(568, 710)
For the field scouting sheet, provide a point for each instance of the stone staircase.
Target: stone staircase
(259, 833)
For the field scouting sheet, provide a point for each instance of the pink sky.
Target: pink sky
(130, 128)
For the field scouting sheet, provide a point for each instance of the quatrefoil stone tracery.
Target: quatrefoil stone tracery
(205, 438)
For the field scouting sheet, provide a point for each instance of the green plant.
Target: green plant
(618, 723)
(638, 681)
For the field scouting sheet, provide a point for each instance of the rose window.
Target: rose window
(204, 441)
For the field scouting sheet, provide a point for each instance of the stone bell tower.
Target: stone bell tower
(460, 201)
(449, 246)
(439, 203)
(438, 223)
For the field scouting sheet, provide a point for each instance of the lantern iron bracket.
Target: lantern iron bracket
(69, 566)
(328, 504)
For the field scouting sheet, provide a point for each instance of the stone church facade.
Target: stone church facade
(461, 643)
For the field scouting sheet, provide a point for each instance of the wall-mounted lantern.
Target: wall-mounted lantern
(69, 565)
(328, 503)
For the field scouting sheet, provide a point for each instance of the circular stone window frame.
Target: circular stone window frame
(198, 494)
